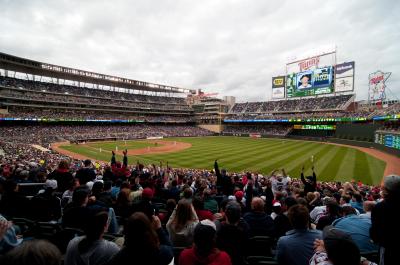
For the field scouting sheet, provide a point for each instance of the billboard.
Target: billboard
(344, 77)
(311, 82)
(311, 63)
(278, 87)
(377, 85)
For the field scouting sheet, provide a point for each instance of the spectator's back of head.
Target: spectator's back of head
(257, 204)
(204, 239)
(340, 247)
(299, 216)
(347, 210)
(368, 206)
(233, 212)
(140, 234)
(80, 195)
(34, 252)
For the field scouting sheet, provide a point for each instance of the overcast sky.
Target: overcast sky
(230, 47)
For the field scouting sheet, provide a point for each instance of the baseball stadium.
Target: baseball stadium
(98, 168)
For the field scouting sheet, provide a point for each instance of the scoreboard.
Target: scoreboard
(388, 139)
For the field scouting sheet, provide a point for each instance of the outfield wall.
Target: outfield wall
(217, 128)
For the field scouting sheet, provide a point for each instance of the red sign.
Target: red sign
(376, 79)
(307, 64)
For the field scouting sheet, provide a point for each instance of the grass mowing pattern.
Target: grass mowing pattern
(262, 155)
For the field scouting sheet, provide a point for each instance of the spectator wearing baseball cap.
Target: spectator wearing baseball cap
(145, 204)
(204, 249)
(46, 206)
(385, 229)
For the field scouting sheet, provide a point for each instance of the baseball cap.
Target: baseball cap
(277, 204)
(51, 183)
(392, 183)
(239, 195)
(147, 193)
(209, 223)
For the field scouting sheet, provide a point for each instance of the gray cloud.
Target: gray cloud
(231, 47)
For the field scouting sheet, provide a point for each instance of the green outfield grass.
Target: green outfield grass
(262, 155)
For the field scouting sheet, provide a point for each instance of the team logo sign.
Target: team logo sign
(377, 85)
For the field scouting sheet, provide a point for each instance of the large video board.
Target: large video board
(310, 82)
(388, 139)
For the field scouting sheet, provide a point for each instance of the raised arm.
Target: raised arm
(302, 176)
(113, 160)
(125, 160)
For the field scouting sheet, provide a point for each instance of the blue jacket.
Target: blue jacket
(297, 247)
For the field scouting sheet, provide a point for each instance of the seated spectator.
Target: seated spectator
(368, 206)
(336, 248)
(86, 173)
(8, 238)
(276, 210)
(145, 204)
(76, 212)
(204, 250)
(174, 191)
(357, 202)
(297, 246)
(333, 212)
(91, 249)
(231, 237)
(357, 227)
(33, 252)
(281, 221)
(12, 203)
(46, 206)
(123, 203)
(209, 202)
(202, 214)
(260, 223)
(145, 243)
(105, 196)
(181, 224)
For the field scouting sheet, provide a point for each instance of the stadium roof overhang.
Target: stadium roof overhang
(23, 65)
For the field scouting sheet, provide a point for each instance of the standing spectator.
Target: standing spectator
(260, 223)
(296, 248)
(385, 229)
(204, 250)
(91, 249)
(145, 243)
(62, 175)
(181, 224)
(310, 183)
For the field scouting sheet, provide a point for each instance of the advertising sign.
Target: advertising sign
(278, 87)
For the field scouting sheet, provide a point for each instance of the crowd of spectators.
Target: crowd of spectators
(76, 114)
(280, 130)
(46, 134)
(293, 105)
(122, 213)
(85, 91)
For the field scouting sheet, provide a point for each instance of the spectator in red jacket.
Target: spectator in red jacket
(202, 214)
(120, 170)
(204, 251)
